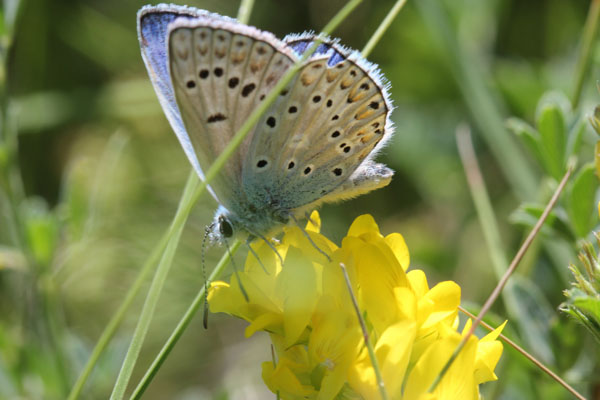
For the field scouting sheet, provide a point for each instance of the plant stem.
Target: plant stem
(486, 217)
(182, 325)
(245, 10)
(590, 31)
(383, 26)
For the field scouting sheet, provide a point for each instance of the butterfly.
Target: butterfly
(314, 144)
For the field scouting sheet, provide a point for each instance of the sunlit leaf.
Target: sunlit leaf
(538, 311)
(581, 200)
(528, 135)
(556, 224)
(552, 129)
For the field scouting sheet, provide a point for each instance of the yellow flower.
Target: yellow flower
(306, 308)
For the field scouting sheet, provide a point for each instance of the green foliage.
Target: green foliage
(552, 144)
(583, 299)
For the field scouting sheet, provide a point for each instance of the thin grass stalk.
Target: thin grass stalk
(182, 325)
(590, 31)
(525, 354)
(486, 217)
(498, 289)
(383, 26)
(229, 150)
(245, 10)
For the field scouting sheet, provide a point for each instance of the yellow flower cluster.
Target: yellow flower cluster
(306, 308)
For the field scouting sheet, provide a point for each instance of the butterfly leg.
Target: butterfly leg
(236, 272)
(307, 216)
(258, 235)
(256, 256)
(310, 239)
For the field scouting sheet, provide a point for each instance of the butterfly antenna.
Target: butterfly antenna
(309, 238)
(258, 235)
(235, 271)
(205, 316)
(256, 256)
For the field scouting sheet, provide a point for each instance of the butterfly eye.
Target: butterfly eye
(225, 228)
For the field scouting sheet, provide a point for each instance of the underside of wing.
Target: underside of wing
(317, 143)
(152, 25)
(221, 70)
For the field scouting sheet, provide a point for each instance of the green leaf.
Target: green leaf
(528, 135)
(553, 133)
(574, 137)
(535, 312)
(585, 309)
(557, 223)
(597, 158)
(589, 305)
(581, 200)
(595, 120)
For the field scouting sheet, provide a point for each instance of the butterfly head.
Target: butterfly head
(223, 227)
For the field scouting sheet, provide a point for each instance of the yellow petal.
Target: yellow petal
(314, 222)
(488, 355)
(393, 353)
(363, 224)
(489, 351)
(445, 299)
(418, 282)
(297, 286)
(377, 280)
(458, 382)
(264, 322)
(493, 335)
(406, 303)
(397, 244)
(294, 236)
(281, 379)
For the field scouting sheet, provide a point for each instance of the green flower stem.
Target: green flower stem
(182, 325)
(480, 102)
(486, 217)
(590, 31)
(385, 24)
(186, 202)
(245, 10)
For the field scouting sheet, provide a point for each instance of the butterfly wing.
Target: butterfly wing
(220, 71)
(152, 25)
(316, 144)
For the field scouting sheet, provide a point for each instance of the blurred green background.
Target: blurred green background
(92, 173)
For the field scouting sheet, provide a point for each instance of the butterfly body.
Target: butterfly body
(314, 144)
